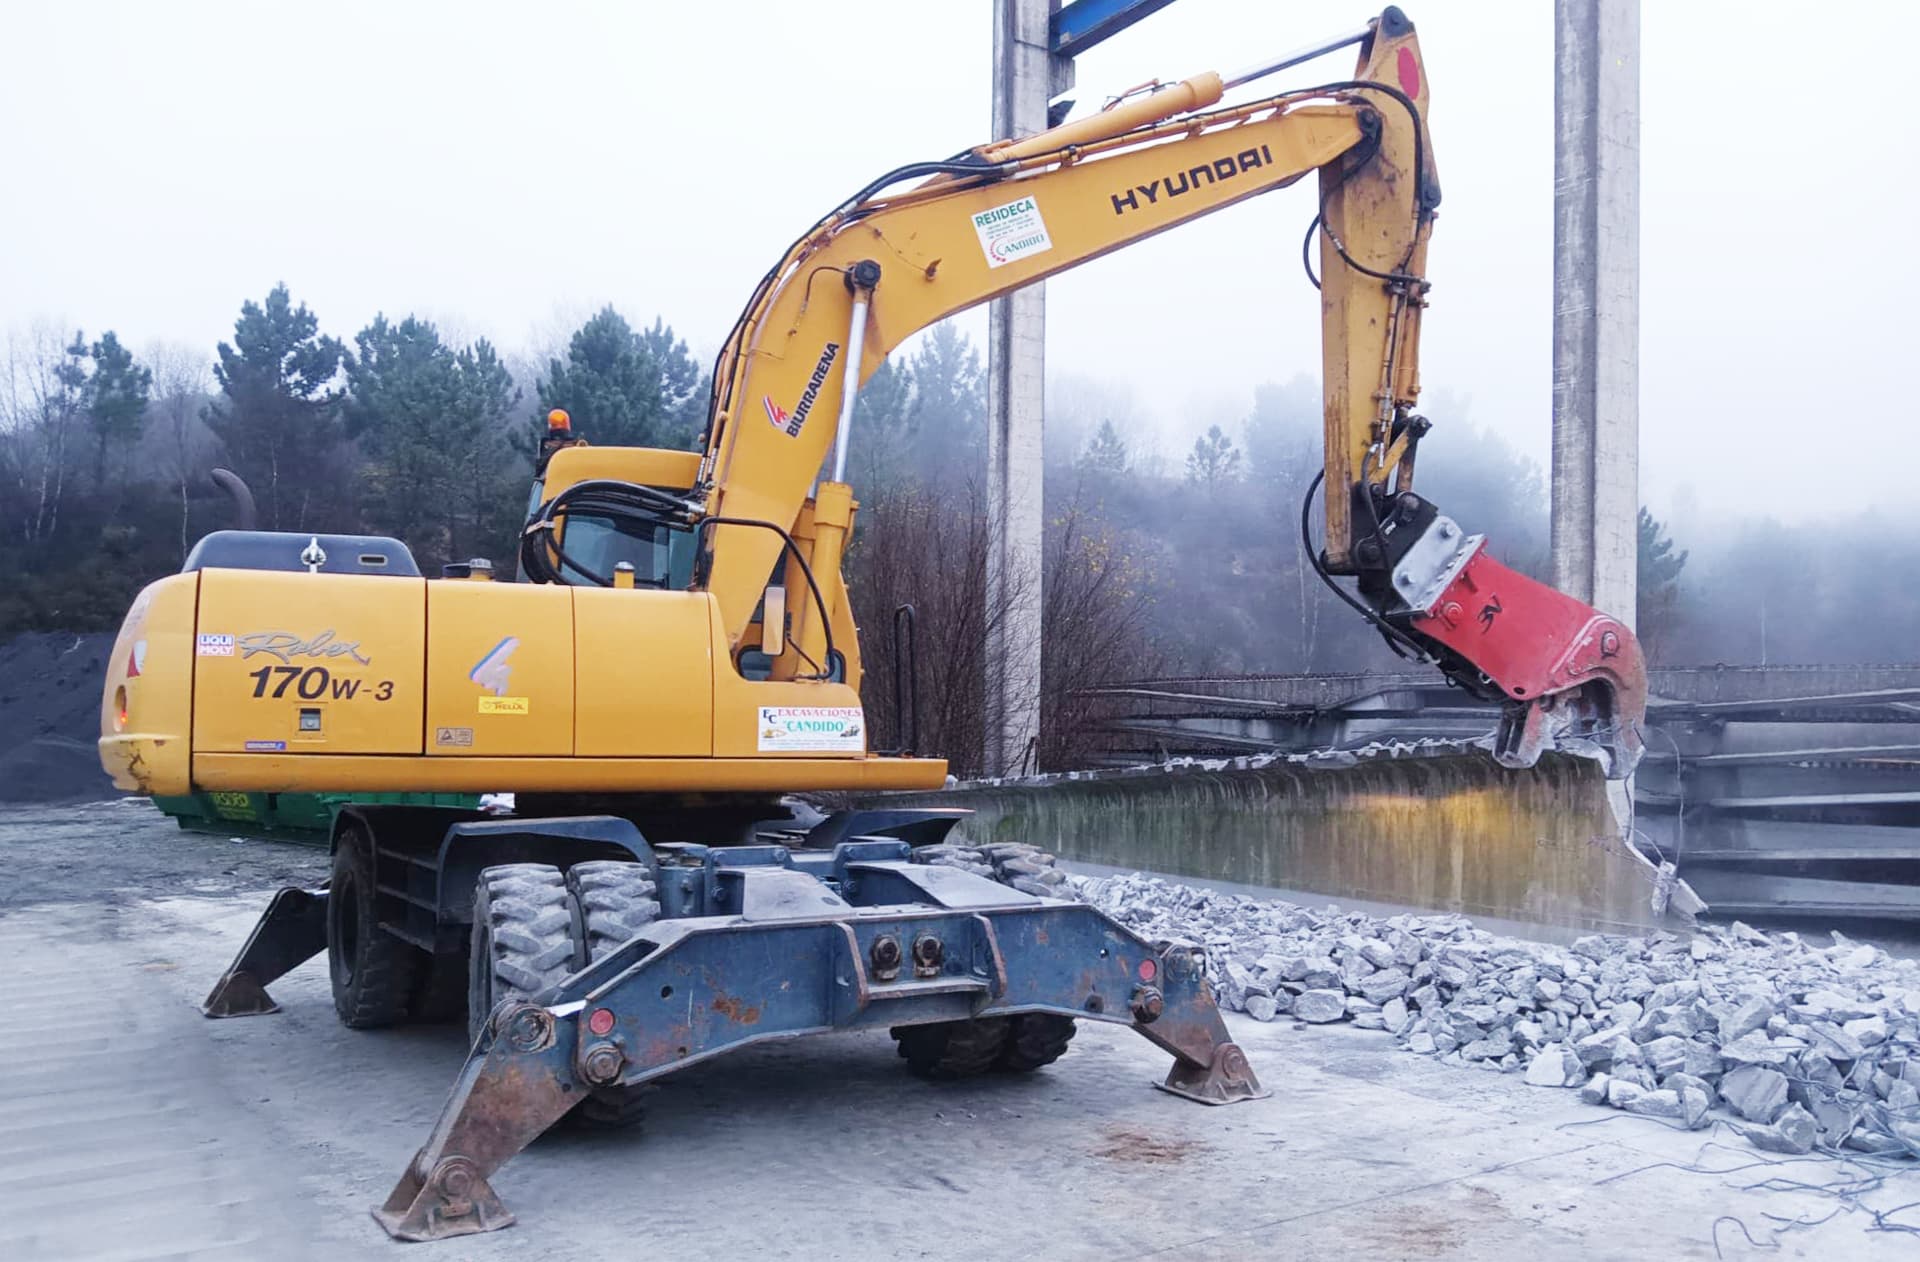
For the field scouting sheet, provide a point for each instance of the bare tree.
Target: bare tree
(1094, 624)
(183, 446)
(45, 408)
(926, 544)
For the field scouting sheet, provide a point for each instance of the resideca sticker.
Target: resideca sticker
(1011, 232)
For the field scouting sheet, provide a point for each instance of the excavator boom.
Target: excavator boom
(897, 257)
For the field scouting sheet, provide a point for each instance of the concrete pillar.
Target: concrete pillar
(1596, 312)
(1024, 77)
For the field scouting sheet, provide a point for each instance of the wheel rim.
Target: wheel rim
(344, 905)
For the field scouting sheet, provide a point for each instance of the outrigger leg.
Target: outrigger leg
(290, 932)
(516, 1083)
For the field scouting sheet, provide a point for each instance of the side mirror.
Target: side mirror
(773, 622)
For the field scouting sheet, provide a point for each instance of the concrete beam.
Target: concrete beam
(1596, 315)
(1439, 830)
(1025, 75)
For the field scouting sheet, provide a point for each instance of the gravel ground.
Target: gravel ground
(130, 1127)
(1808, 1045)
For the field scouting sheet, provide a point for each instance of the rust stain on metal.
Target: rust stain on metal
(736, 1011)
(1137, 1147)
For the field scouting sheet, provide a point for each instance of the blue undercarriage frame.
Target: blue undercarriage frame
(793, 943)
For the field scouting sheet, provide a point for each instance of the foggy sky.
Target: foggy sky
(506, 168)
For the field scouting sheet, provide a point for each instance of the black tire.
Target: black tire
(1036, 1039)
(946, 1050)
(522, 937)
(963, 1049)
(372, 971)
(617, 901)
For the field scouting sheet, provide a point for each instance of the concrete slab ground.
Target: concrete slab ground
(131, 1127)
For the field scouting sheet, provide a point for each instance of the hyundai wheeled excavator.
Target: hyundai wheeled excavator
(681, 651)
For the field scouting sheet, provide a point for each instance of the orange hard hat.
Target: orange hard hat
(559, 420)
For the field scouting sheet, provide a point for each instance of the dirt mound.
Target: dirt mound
(50, 717)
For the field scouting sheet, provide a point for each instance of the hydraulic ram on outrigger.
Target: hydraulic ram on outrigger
(909, 944)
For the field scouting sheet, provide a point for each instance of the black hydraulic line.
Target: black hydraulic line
(988, 173)
(624, 501)
(792, 549)
(906, 698)
(1399, 641)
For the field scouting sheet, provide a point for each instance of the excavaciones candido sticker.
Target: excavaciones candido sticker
(815, 729)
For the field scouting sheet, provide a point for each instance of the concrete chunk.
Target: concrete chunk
(1621, 1093)
(1793, 1132)
(1389, 983)
(1320, 1006)
(1743, 1018)
(1867, 1031)
(1556, 1066)
(1753, 1048)
(1656, 1104)
(1755, 1092)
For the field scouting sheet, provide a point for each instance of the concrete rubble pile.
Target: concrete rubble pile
(1798, 1046)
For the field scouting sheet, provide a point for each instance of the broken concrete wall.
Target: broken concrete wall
(1436, 825)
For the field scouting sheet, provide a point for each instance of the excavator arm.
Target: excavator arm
(899, 256)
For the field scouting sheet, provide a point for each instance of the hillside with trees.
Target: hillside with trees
(1187, 562)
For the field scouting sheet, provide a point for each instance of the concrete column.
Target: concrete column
(1596, 312)
(1024, 77)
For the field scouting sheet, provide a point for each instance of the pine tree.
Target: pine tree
(1214, 459)
(117, 395)
(1107, 454)
(949, 414)
(625, 389)
(1657, 589)
(431, 423)
(279, 417)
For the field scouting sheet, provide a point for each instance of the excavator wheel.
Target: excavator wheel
(617, 901)
(522, 937)
(964, 1049)
(952, 1049)
(1036, 1039)
(372, 971)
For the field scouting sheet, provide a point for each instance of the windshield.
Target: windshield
(661, 555)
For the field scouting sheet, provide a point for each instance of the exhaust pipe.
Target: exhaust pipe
(245, 515)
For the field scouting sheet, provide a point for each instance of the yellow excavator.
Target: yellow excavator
(681, 651)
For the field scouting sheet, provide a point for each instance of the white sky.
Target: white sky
(505, 168)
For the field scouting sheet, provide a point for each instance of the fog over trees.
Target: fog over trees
(1158, 561)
